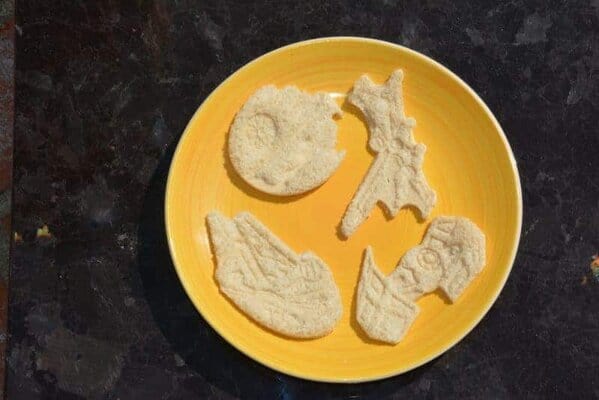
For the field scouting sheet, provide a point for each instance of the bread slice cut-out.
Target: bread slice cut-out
(450, 256)
(382, 311)
(395, 177)
(289, 293)
(282, 141)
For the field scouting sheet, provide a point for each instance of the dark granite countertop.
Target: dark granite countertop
(7, 58)
(103, 92)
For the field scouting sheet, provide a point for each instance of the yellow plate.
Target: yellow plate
(468, 162)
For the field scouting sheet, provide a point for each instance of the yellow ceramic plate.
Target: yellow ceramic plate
(468, 162)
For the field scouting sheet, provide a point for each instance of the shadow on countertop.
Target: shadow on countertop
(202, 349)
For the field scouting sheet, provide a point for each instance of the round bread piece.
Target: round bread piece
(282, 141)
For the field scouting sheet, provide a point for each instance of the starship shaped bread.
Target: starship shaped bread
(451, 254)
(282, 141)
(382, 311)
(395, 177)
(291, 294)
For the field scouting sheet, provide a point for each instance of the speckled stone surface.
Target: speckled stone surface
(103, 91)
(7, 29)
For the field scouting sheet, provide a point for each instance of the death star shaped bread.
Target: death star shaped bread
(282, 141)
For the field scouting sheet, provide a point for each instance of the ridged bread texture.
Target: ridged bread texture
(291, 294)
(450, 256)
(395, 177)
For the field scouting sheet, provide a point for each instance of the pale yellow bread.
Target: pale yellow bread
(395, 178)
(451, 254)
(292, 294)
(282, 141)
(381, 310)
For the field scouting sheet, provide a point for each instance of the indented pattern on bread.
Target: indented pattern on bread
(291, 294)
(451, 254)
(282, 141)
(382, 311)
(395, 177)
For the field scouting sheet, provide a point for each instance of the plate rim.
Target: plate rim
(475, 321)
